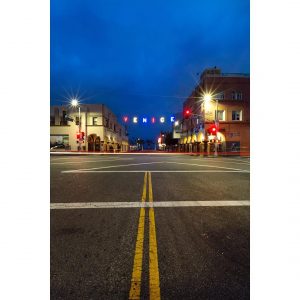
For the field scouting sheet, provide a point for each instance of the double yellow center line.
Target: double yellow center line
(136, 279)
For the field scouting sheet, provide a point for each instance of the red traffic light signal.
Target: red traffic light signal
(187, 113)
(80, 135)
(213, 130)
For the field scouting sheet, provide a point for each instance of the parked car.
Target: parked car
(60, 147)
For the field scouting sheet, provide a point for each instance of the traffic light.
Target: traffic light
(78, 135)
(187, 113)
(213, 129)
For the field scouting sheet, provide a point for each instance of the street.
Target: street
(150, 226)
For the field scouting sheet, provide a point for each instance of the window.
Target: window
(52, 120)
(237, 115)
(233, 95)
(63, 121)
(236, 95)
(59, 140)
(219, 96)
(77, 120)
(95, 120)
(220, 115)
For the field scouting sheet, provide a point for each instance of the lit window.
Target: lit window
(220, 115)
(237, 115)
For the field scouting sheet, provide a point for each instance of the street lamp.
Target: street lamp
(207, 99)
(75, 103)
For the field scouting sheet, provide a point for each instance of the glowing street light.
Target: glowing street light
(207, 99)
(75, 103)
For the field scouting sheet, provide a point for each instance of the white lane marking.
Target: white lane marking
(226, 161)
(209, 166)
(155, 171)
(116, 166)
(87, 161)
(210, 203)
(150, 163)
(81, 158)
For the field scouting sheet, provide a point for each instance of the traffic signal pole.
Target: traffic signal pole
(79, 125)
(217, 127)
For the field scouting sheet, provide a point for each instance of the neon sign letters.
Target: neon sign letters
(145, 120)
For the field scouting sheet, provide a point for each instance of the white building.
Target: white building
(102, 132)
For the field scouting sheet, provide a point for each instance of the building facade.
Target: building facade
(228, 109)
(100, 126)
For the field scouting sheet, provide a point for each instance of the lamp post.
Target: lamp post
(75, 103)
(207, 99)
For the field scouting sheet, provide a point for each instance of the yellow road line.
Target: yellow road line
(144, 188)
(136, 278)
(154, 288)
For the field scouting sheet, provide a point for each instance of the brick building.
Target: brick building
(229, 108)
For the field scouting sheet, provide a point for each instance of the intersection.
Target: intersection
(146, 226)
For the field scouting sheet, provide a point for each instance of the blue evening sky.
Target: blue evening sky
(142, 57)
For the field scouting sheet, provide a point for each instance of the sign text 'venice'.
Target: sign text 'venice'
(146, 120)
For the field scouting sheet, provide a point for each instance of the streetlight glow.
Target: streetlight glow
(74, 102)
(207, 97)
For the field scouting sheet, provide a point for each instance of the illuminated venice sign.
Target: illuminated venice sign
(145, 120)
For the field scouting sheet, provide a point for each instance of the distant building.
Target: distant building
(177, 126)
(102, 132)
(230, 107)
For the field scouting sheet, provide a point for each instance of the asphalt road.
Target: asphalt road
(182, 231)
